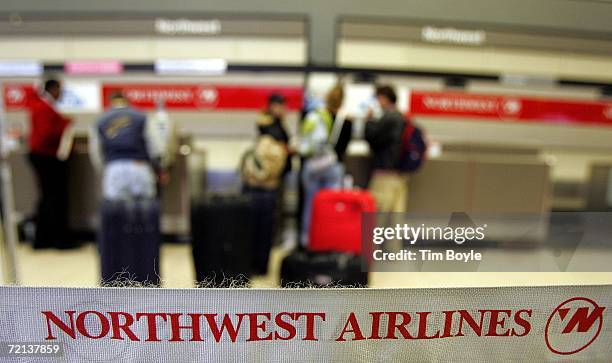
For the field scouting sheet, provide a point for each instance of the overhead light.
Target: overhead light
(528, 80)
(190, 66)
(20, 68)
(454, 36)
(186, 26)
(93, 67)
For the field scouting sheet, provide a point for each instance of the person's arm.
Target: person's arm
(306, 143)
(59, 122)
(172, 145)
(95, 150)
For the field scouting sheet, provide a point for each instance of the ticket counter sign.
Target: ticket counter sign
(77, 96)
(17, 95)
(201, 96)
(509, 108)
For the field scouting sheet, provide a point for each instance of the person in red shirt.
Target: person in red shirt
(46, 129)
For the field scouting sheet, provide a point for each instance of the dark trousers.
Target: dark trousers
(265, 204)
(52, 211)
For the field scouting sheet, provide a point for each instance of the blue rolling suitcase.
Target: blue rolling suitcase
(128, 241)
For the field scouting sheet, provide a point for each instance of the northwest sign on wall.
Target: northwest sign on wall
(452, 324)
(202, 96)
(87, 97)
(509, 108)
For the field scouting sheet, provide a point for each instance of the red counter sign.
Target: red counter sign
(509, 108)
(202, 96)
(16, 95)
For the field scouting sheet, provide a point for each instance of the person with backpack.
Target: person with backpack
(321, 168)
(262, 170)
(397, 149)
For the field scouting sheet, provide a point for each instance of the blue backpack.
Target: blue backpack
(414, 148)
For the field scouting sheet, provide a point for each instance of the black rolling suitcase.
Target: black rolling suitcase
(360, 167)
(322, 269)
(264, 228)
(221, 235)
(128, 242)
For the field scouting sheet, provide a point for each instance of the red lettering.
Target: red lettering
(118, 326)
(497, 321)
(310, 323)
(151, 324)
(50, 317)
(289, 328)
(523, 322)
(194, 327)
(401, 327)
(464, 316)
(226, 325)
(422, 333)
(375, 334)
(354, 328)
(254, 326)
(104, 324)
(448, 324)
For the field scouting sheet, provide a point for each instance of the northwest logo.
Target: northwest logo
(573, 326)
(15, 95)
(207, 96)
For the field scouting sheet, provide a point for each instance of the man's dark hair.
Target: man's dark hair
(276, 98)
(117, 95)
(388, 92)
(51, 84)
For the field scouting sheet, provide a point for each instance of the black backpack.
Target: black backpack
(413, 148)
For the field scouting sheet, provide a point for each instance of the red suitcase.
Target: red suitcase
(336, 220)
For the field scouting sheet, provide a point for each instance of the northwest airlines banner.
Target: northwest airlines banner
(552, 323)
(84, 96)
(509, 108)
(202, 96)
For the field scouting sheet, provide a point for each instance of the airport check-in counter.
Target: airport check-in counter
(508, 189)
(599, 188)
(85, 188)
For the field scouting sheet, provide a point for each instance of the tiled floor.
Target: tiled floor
(80, 268)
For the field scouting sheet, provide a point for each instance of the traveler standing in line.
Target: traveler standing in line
(388, 186)
(263, 169)
(123, 144)
(126, 148)
(321, 168)
(47, 126)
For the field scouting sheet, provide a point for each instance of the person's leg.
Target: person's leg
(399, 188)
(382, 192)
(265, 203)
(299, 216)
(384, 189)
(59, 203)
(311, 186)
(333, 177)
(402, 189)
(43, 210)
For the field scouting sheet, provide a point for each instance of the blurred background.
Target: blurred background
(515, 98)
